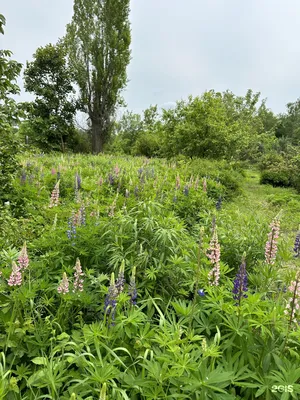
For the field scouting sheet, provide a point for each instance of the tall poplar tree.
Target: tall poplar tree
(98, 45)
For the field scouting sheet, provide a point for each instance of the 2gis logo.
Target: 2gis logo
(282, 389)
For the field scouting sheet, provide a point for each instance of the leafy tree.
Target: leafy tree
(52, 113)
(288, 127)
(98, 40)
(9, 116)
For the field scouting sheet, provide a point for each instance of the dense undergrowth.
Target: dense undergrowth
(123, 295)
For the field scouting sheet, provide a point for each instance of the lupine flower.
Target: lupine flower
(117, 170)
(175, 199)
(177, 182)
(297, 245)
(53, 172)
(64, 285)
(240, 283)
(111, 298)
(71, 232)
(23, 259)
(186, 190)
(204, 345)
(136, 191)
(111, 210)
(54, 196)
(201, 292)
(292, 307)
(78, 281)
(213, 253)
(100, 182)
(23, 177)
(140, 172)
(120, 282)
(15, 278)
(271, 245)
(219, 203)
(204, 185)
(126, 193)
(196, 184)
(132, 288)
(82, 216)
(111, 179)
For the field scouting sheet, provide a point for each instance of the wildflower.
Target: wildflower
(292, 307)
(15, 278)
(127, 193)
(204, 183)
(132, 288)
(136, 191)
(78, 281)
(64, 285)
(201, 292)
(186, 190)
(71, 232)
(111, 179)
(117, 170)
(53, 172)
(100, 182)
(177, 182)
(23, 177)
(271, 245)
(54, 196)
(213, 254)
(120, 282)
(219, 203)
(112, 208)
(111, 298)
(82, 216)
(196, 184)
(297, 245)
(23, 259)
(240, 283)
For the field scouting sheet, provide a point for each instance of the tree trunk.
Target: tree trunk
(97, 137)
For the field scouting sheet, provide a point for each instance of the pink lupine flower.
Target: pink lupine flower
(271, 245)
(117, 170)
(54, 196)
(15, 278)
(213, 253)
(64, 285)
(292, 307)
(204, 185)
(78, 281)
(53, 172)
(23, 259)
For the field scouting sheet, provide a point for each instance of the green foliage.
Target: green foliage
(9, 114)
(50, 122)
(97, 42)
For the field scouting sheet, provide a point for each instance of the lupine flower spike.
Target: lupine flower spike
(240, 283)
(292, 307)
(297, 245)
(78, 281)
(120, 282)
(15, 278)
(111, 298)
(132, 288)
(204, 185)
(54, 196)
(271, 245)
(23, 259)
(213, 254)
(64, 285)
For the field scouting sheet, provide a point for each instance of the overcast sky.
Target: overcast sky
(184, 47)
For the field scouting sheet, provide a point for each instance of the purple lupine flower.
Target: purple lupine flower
(23, 177)
(186, 190)
(219, 203)
(120, 282)
(15, 278)
(201, 292)
(136, 191)
(23, 259)
(213, 253)
(71, 232)
(111, 179)
(271, 245)
(77, 181)
(297, 245)
(110, 302)
(64, 285)
(78, 281)
(140, 172)
(132, 288)
(240, 283)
